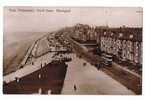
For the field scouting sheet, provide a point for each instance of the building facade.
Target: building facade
(124, 43)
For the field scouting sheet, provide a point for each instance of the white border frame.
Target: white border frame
(66, 3)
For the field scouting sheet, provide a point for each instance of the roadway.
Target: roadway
(89, 80)
(129, 80)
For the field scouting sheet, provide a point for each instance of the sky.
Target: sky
(46, 19)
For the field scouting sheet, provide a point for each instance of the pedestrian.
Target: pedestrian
(75, 88)
(32, 63)
(99, 66)
(41, 65)
(84, 64)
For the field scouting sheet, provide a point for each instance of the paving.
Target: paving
(87, 79)
(125, 77)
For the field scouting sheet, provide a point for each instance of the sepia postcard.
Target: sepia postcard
(72, 50)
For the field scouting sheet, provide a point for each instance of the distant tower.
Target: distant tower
(108, 14)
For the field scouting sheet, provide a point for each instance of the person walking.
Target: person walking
(75, 88)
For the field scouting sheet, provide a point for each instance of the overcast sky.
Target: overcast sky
(22, 19)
